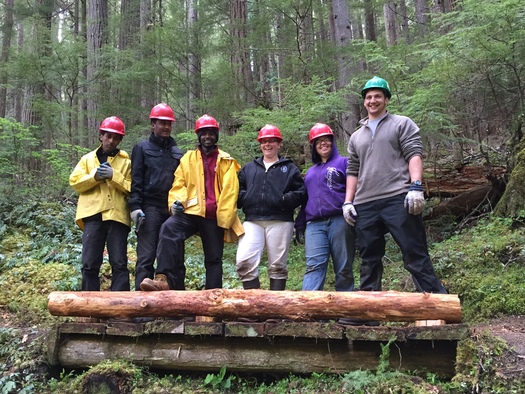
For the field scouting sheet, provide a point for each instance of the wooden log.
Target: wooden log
(260, 304)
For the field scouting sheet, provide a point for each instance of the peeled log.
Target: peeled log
(259, 304)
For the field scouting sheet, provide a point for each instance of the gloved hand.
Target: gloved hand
(299, 235)
(135, 215)
(415, 199)
(176, 208)
(105, 171)
(349, 213)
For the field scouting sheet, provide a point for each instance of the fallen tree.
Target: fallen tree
(259, 304)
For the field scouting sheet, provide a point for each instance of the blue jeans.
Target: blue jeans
(374, 219)
(324, 238)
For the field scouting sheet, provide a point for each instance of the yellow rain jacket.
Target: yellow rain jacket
(109, 197)
(188, 188)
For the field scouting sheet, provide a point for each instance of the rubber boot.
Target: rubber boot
(277, 284)
(160, 283)
(251, 284)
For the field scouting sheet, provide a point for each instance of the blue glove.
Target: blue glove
(105, 171)
(415, 199)
(176, 208)
(349, 213)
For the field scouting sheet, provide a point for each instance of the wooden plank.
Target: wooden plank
(304, 330)
(260, 304)
(244, 330)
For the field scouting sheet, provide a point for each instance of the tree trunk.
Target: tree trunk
(389, 11)
(370, 25)
(422, 16)
(96, 39)
(194, 63)
(240, 55)
(7, 34)
(295, 305)
(345, 69)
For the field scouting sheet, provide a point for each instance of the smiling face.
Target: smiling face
(270, 148)
(208, 138)
(109, 141)
(375, 103)
(161, 128)
(323, 147)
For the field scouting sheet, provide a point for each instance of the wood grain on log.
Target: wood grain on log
(260, 304)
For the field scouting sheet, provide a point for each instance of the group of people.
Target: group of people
(170, 196)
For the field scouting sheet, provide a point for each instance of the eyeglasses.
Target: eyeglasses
(324, 141)
(269, 141)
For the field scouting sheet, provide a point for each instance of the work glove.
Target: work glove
(415, 199)
(176, 208)
(299, 235)
(136, 214)
(105, 171)
(349, 213)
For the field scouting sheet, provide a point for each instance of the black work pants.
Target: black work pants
(170, 250)
(147, 241)
(95, 236)
(389, 214)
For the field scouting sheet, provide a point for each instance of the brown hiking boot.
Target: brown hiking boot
(160, 283)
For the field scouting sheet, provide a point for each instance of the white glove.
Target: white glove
(415, 201)
(349, 213)
(135, 215)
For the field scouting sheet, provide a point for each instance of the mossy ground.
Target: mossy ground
(483, 264)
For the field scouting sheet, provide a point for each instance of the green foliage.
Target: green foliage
(484, 265)
(219, 381)
(17, 144)
(302, 106)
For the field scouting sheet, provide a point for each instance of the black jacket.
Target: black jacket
(153, 165)
(272, 194)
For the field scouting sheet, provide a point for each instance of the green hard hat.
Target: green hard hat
(377, 83)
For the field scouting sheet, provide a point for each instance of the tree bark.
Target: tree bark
(96, 39)
(389, 11)
(7, 34)
(345, 70)
(295, 305)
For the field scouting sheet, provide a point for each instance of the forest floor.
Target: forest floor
(509, 366)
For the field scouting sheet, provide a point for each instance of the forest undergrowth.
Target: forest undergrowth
(40, 251)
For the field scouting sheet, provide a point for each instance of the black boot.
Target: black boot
(277, 284)
(251, 284)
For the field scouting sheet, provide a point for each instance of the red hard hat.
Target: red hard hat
(206, 121)
(318, 130)
(162, 111)
(113, 125)
(269, 131)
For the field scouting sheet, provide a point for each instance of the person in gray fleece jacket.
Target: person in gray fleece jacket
(384, 191)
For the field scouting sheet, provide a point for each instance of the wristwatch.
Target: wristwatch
(416, 183)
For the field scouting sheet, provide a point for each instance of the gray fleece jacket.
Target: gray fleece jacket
(380, 162)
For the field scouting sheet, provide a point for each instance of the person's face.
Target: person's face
(109, 141)
(375, 103)
(208, 139)
(323, 147)
(161, 128)
(270, 148)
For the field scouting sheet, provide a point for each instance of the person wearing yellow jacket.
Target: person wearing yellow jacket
(102, 178)
(202, 200)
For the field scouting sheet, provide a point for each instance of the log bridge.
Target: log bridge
(292, 331)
